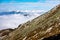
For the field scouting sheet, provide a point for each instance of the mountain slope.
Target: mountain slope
(41, 27)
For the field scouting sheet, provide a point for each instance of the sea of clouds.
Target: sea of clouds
(13, 20)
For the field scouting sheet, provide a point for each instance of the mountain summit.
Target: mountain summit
(39, 28)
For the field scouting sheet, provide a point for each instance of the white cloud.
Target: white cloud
(12, 21)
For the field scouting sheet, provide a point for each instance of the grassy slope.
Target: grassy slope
(43, 26)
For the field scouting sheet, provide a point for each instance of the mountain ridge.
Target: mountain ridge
(39, 28)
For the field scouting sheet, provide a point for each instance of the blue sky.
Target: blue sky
(13, 5)
(7, 1)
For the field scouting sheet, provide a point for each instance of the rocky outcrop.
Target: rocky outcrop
(5, 32)
(39, 28)
(54, 37)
